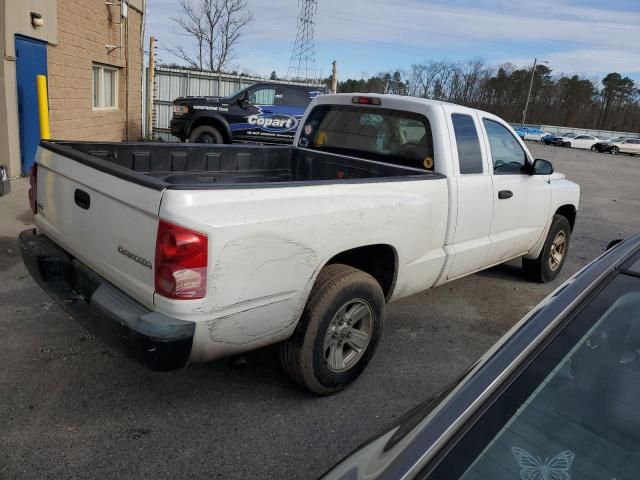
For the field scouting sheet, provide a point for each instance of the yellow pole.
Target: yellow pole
(43, 107)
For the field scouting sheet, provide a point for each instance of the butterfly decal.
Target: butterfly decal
(534, 468)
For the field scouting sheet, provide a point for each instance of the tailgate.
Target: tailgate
(108, 223)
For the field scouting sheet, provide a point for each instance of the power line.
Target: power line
(303, 57)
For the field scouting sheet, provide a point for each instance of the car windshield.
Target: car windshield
(571, 135)
(581, 419)
(382, 134)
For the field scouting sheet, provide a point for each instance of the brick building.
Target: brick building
(91, 52)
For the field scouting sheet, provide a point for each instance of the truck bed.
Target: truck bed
(201, 166)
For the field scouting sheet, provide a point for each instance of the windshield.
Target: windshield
(391, 136)
(580, 418)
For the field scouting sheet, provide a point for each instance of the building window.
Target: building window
(105, 87)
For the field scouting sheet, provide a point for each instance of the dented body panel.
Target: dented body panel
(267, 247)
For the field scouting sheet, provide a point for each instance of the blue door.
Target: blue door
(31, 60)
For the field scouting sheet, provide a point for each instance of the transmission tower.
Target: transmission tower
(303, 57)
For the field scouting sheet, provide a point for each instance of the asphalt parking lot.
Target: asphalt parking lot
(71, 407)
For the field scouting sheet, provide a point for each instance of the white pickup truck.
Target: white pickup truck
(187, 253)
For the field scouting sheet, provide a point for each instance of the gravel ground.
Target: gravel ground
(70, 407)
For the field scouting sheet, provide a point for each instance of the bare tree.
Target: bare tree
(572, 100)
(191, 23)
(235, 17)
(212, 15)
(215, 26)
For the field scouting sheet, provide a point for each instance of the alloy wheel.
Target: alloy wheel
(348, 335)
(558, 250)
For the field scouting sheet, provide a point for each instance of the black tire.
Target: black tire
(567, 144)
(206, 134)
(545, 269)
(614, 150)
(304, 355)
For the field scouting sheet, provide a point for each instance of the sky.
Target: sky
(365, 37)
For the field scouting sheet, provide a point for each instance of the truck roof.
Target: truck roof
(398, 100)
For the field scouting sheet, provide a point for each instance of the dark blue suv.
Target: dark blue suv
(264, 112)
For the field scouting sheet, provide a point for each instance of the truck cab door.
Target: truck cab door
(472, 182)
(521, 202)
(249, 115)
(240, 110)
(289, 106)
(268, 118)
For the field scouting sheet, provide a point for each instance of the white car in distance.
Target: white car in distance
(535, 135)
(582, 141)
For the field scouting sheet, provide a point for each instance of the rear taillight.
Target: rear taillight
(181, 262)
(33, 185)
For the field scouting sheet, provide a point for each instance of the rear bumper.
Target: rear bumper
(155, 340)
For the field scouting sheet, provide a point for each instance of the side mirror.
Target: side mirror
(243, 99)
(541, 167)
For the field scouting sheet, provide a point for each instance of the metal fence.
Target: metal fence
(171, 83)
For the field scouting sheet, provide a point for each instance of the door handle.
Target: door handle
(504, 194)
(267, 111)
(82, 198)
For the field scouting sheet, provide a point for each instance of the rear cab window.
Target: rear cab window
(391, 136)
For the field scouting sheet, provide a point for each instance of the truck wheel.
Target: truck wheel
(547, 266)
(206, 134)
(338, 332)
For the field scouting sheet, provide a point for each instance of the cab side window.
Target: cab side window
(469, 153)
(507, 154)
(263, 96)
(296, 97)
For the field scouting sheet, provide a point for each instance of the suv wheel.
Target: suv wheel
(206, 134)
